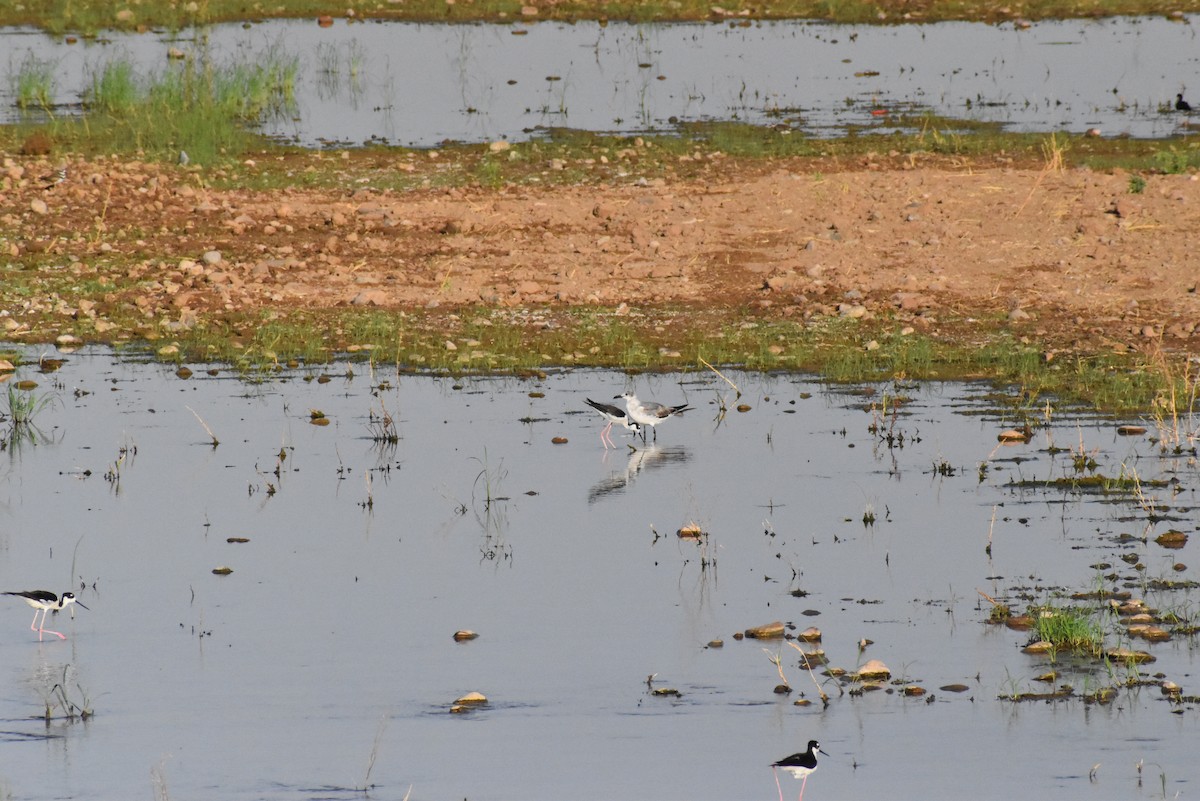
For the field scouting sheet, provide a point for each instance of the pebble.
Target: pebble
(874, 669)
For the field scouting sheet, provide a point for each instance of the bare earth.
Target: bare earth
(1070, 258)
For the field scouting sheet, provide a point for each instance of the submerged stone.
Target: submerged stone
(874, 670)
(1172, 539)
(810, 634)
(769, 631)
(471, 699)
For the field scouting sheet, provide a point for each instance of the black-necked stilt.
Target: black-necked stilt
(799, 765)
(1181, 104)
(45, 602)
(649, 413)
(613, 414)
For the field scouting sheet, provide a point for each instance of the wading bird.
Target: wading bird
(613, 414)
(799, 765)
(649, 413)
(45, 602)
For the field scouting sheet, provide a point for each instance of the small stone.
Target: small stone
(1172, 539)
(1129, 655)
(222, 571)
(38, 206)
(771, 630)
(499, 146)
(1151, 633)
(874, 669)
(212, 257)
(369, 297)
(472, 699)
(463, 635)
(1015, 435)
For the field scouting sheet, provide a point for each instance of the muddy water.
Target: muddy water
(331, 641)
(415, 84)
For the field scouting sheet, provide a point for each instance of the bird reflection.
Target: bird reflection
(640, 459)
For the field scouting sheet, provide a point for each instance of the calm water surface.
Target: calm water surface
(415, 84)
(331, 639)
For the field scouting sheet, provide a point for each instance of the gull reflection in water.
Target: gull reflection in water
(640, 460)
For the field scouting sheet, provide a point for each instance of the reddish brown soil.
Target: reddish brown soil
(1071, 258)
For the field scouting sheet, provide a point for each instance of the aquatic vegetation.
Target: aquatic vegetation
(195, 105)
(23, 405)
(57, 697)
(1068, 628)
(381, 426)
(33, 84)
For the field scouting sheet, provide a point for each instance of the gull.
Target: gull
(613, 414)
(649, 413)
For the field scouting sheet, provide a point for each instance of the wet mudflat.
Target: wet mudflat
(417, 85)
(325, 661)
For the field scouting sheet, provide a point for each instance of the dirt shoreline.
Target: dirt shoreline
(1070, 258)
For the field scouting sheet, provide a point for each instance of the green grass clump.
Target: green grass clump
(194, 105)
(33, 84)
(114, 89)
(1069, 628)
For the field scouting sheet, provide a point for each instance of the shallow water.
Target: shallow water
(331, 639)
(413, 84)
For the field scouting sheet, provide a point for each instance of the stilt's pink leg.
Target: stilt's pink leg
(780, 789)
(41, 628)
(605, 437)
(801, 798)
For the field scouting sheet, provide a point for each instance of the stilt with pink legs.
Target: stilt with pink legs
(44, 603)
(799, 765)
